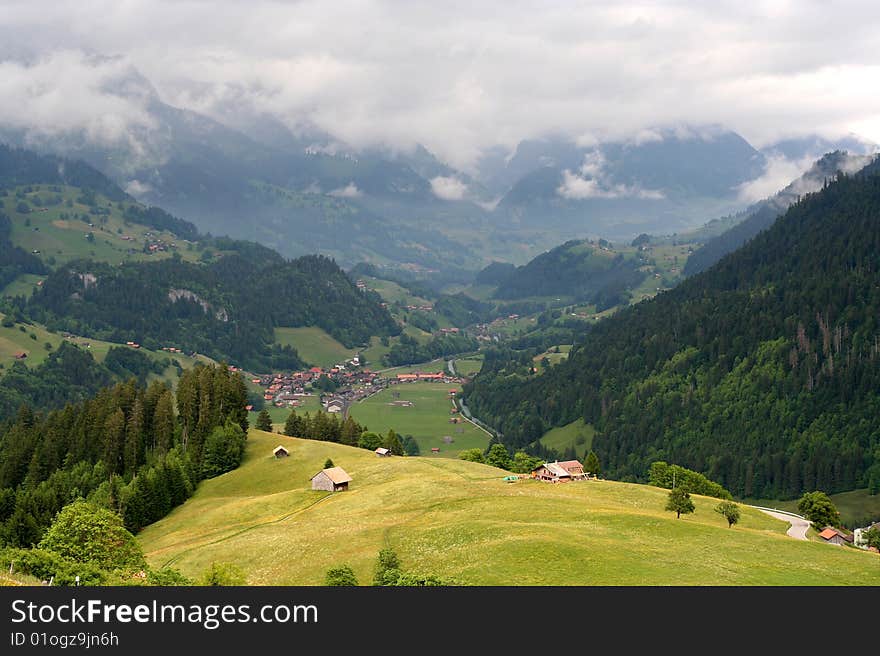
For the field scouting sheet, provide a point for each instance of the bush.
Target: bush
(85, 533)
(222, 574)
(342, 575)
(46, 565)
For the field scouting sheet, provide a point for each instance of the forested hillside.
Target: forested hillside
(577, 269)
(761, 215)
(125, 448)
(762, 373)
(226, 310)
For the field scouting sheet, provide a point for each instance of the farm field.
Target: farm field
(432, 367)
(314, 345)
(279, 415)
(427, 420)
(469, 365)
(562, 437)
(459, 520)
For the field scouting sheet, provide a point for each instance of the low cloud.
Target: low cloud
(591, 181)
(137, 188)
(348, 191)
(448, 188)
(80, 100)
(778, 173)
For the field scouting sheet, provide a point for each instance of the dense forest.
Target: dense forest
(761, 215)
(578, 270)
(125, 449)
(14, 261)
(763, 373)
(408, 350)
(226, 310)
(70, 375)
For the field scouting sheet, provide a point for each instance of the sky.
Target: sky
(458, 77)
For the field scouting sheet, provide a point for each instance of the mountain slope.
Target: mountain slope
(578, 269)
(459, 520)
(761, 215)
(763, 372)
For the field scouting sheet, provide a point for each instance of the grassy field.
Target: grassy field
(565, 436)
(856, 508)
(427, 420)
(23, 285)
(469, 366)
(460, 520)
(551, 355)
(314, 345)
(14, 340)
(432, 367)
(279, 415)
(61, 239)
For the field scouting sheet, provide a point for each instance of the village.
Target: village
(339, 386)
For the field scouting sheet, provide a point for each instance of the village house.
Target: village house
(382, 452)
(833, 536)
(332, 479)
(280, 452)
(559, 472)
(860, 538)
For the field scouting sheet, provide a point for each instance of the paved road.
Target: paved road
(799, 525)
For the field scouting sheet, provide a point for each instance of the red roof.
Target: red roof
(568, 464)
(315, 370)
(828, 533)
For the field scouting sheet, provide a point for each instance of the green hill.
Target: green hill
(577, 269)
(459, 519)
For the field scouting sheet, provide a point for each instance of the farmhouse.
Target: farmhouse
(280, 452)
(382, 452)
(860, 535)
(559, 472)
(332, 479)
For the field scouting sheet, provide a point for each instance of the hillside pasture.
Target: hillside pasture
(314, 345)
(459, 520)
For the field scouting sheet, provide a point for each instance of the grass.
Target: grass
(460, 520)
(432, 367)
(63, 239)
(314, 345)
(23, 285)
(279, 415)
(562, 437)
(856, 508)
(469, 366)
(13, 340)
(427, 420)
(551, 355)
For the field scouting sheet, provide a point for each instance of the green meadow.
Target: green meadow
(576, 434)
(461, 521)
(314, 345)
(427, 420)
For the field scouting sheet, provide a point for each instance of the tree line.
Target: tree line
(134, 449)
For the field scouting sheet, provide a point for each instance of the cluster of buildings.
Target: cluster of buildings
(352, 382)
(857, 538)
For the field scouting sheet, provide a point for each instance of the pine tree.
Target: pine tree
(293, 425)
(264, 421)
(591, 464)
(392, 443)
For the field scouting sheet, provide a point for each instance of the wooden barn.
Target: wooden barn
(280, 452)
(332, 479)
(382, 452)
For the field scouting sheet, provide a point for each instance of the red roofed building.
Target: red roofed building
(315, 370)
(832, 536)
